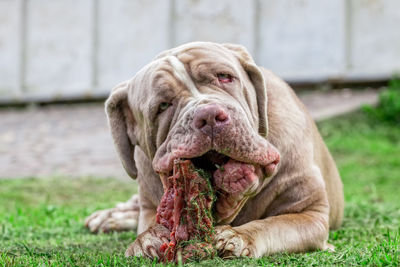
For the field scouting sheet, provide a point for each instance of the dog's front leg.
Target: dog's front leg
(147, 215)
(283, 233)
(150, 235)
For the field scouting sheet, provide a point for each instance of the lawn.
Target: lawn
(41, 220)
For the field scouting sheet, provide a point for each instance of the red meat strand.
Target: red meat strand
(185, 209)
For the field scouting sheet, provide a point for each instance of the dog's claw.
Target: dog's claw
(245, 252)
(153, 252)
(230, 246)
(219, 244)
(132, 251)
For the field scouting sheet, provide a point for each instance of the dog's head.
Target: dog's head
(201, 101)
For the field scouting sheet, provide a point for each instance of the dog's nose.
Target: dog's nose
(210, 119)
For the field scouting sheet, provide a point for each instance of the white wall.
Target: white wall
(60, 49)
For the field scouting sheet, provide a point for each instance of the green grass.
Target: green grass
(41, 220)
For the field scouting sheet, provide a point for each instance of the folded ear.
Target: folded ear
(122, 125)
(257, 79)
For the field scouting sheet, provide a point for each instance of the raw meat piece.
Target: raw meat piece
(185, 209)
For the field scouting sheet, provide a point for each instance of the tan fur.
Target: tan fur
(292, 210)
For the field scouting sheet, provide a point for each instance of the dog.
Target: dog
(212, 104)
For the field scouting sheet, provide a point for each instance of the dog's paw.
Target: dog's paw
(231, 242)
(148, 243)
(123, 217)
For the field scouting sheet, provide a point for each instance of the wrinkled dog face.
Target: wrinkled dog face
(201, 102)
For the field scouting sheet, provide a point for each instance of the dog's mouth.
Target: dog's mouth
(228, 175)
(234, 181)
(210, 161)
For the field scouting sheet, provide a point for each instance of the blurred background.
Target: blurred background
(75, 51)
(64, 49)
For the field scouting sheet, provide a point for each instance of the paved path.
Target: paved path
(323, 105)
(73, 140)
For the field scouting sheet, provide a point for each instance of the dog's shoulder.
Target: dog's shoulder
(288, 120)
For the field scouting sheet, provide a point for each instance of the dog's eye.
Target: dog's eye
(224, 78)
(163, 107)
